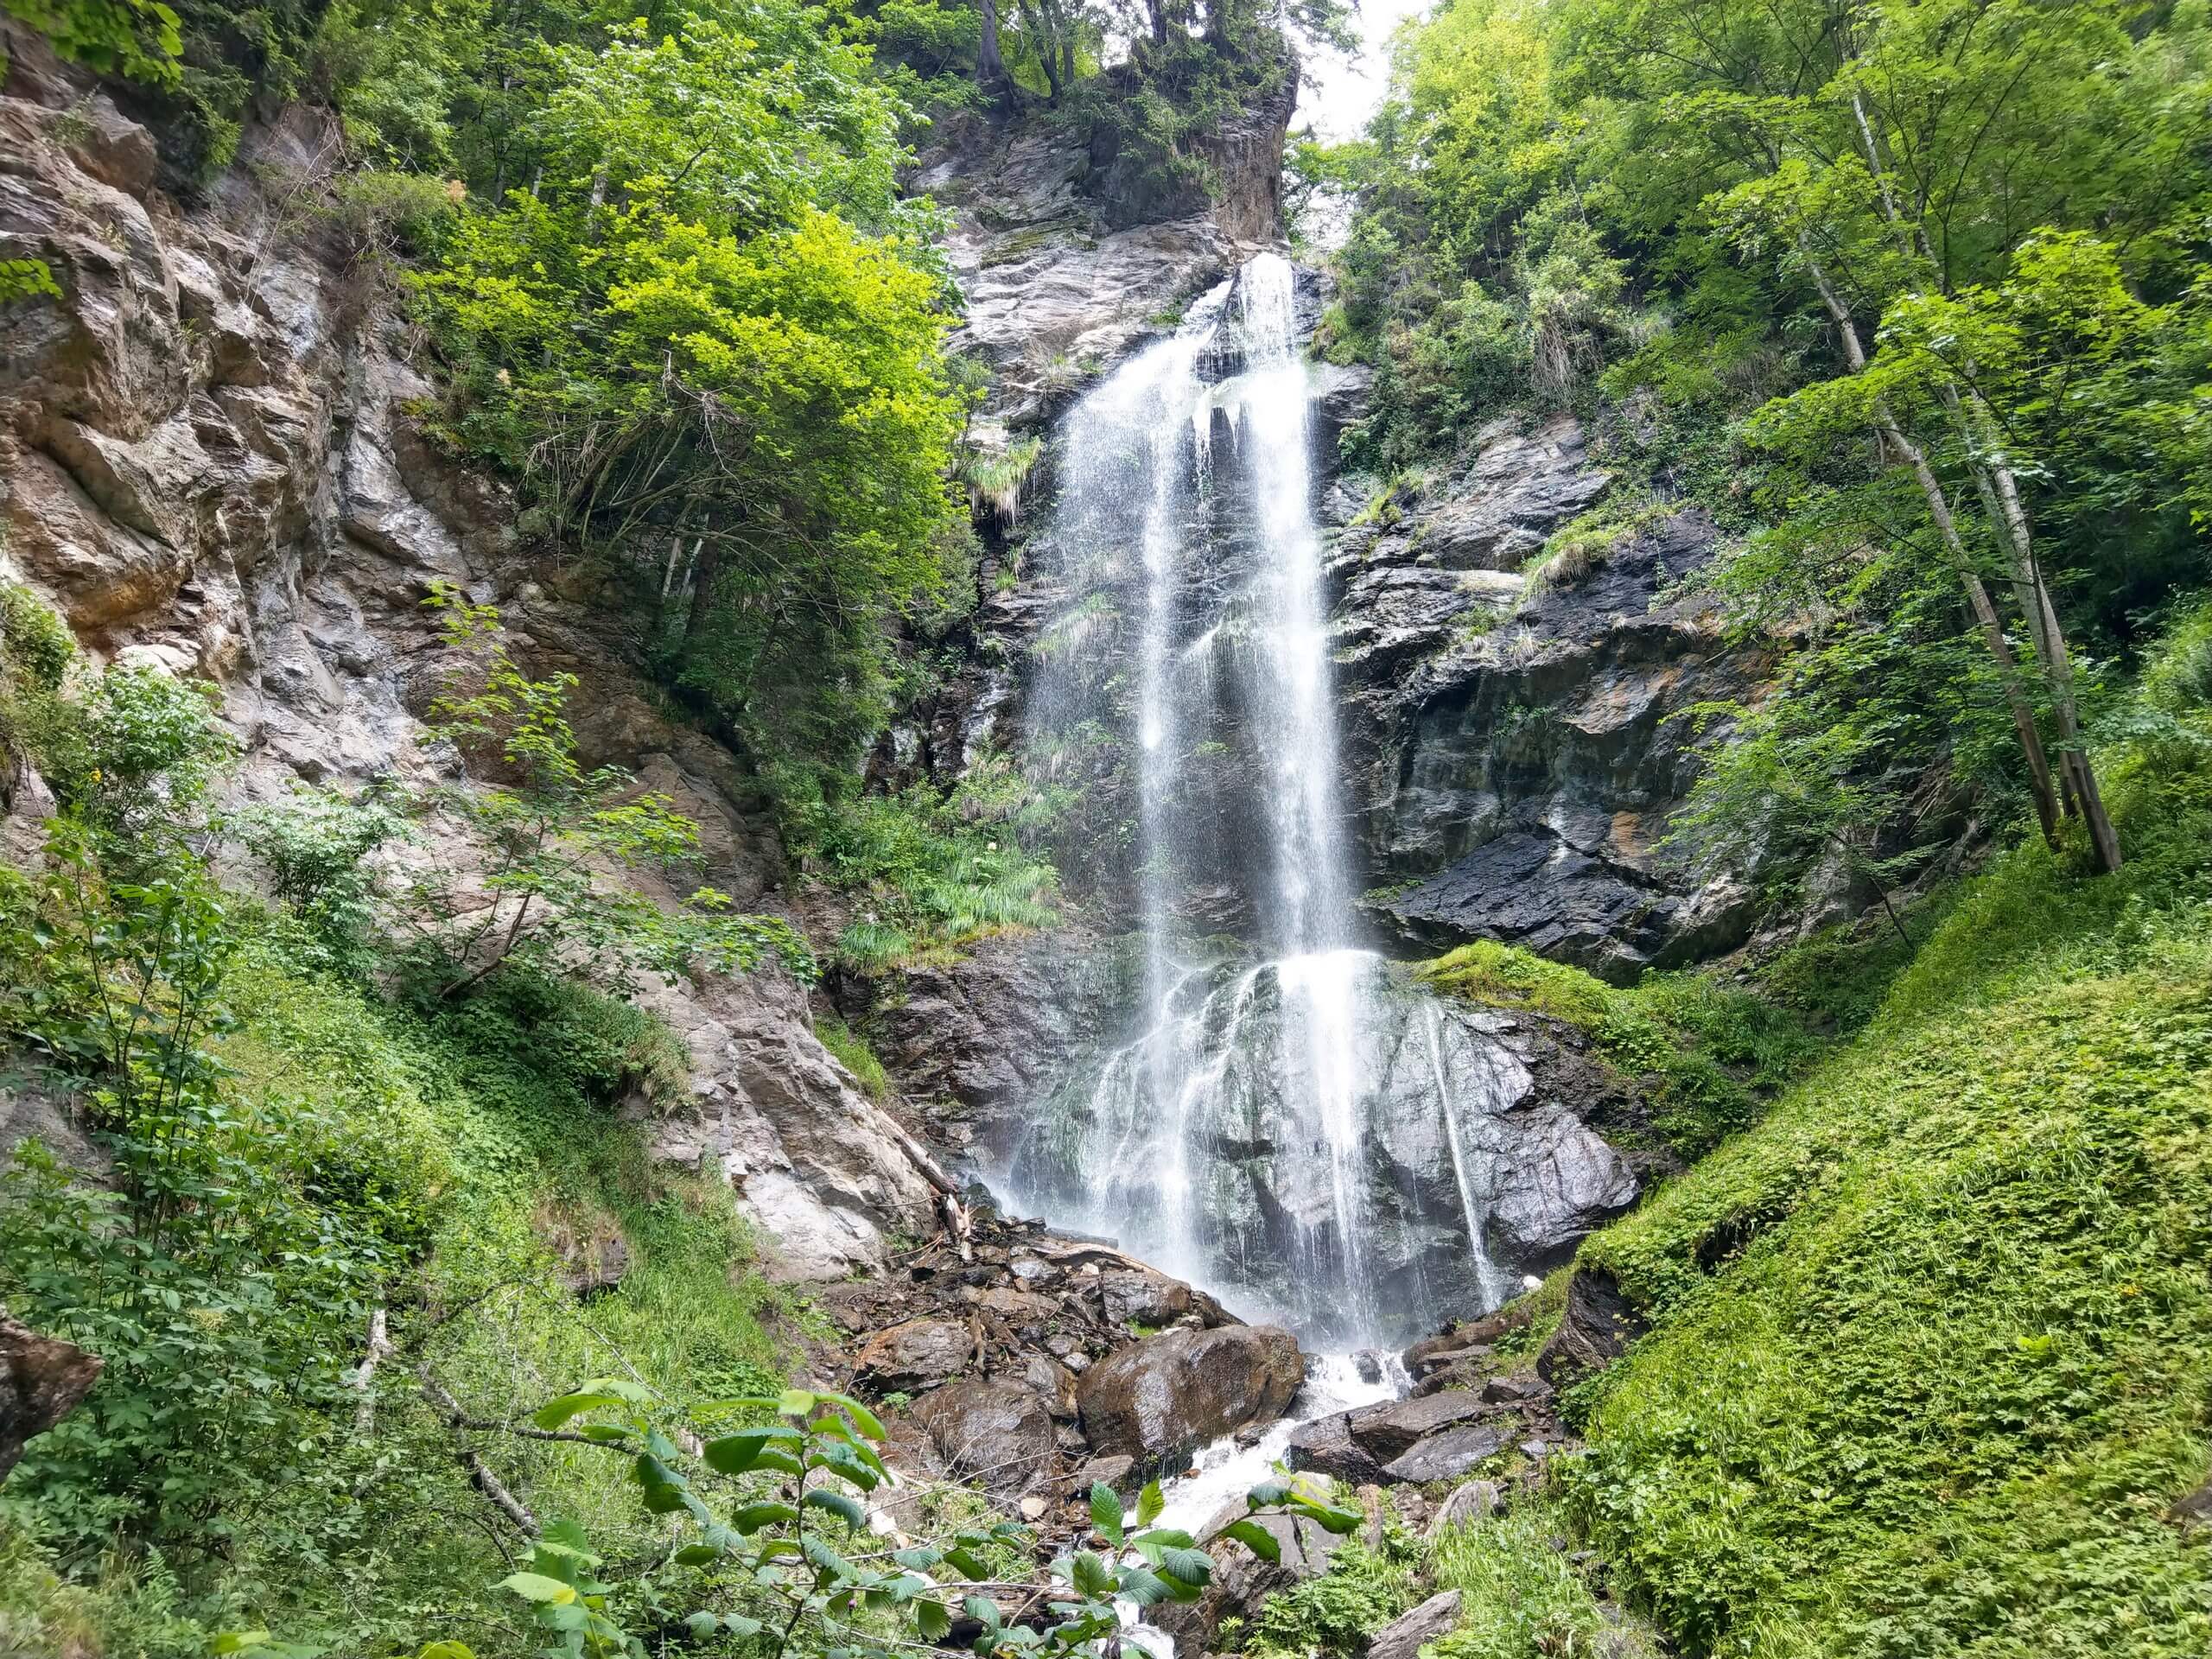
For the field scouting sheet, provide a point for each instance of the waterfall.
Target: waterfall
(1288, 1122)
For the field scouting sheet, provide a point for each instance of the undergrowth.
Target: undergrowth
(1710, 1053)
(1932, 1346)
(926, 880)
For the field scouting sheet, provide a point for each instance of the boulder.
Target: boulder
(1324, 1447)
(1446, 1456)
(1162, 1398)
(998, 1434)
(1404, 1637)
(42, 1379)
(1516, 1388)
(913, 1358)
(1595, 1329)
(1241, 1580)
(1477, 1500)
(1390, 1429)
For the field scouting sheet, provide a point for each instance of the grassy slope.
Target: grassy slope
(497, 1120)
(1932, 1342)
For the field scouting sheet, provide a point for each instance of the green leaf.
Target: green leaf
(535, 1586)
(238, 1641)
(555, 1412)
(985, 1611)
(739, 1625)
(844, 1507)
(1193, 1566)
(698, 1554)
(920, 1557)
(753, 1516)
(864, 1420)
(1255, 1538)
(1092, 1576)
(1329, 1517)
(736, 1454)
(933, 1619)
(1268, 1494)
(1143, 1586)
(965, 1563)
(703, 1623)
(1150, 1502)
(795, 1403)
(1106, 1512)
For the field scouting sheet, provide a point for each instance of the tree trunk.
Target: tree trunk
(2000, 490)
(1939, 511)
(990, 67)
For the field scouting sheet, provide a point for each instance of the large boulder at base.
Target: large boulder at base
(999, 1434)
(1595, 1330)
(1169, 1394)
(912, 1356)
(41, 1380)
(1324, 1447)
(1447, 1456)
(1404, 1637)
(1390, 1429)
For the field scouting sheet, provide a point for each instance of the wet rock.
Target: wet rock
(1117, 1472)
(1517, 1387)
(1324, 1447)
(998, 1434)
(1140, 1296)
(1389, 1430)
(913, 1358)
(1511, 738)
(1446, 1456)
(1369, 1364)
(1404, 1637)
(1477, 1500)
(1595, 1329)
(1162, 1399)
(42, 1379)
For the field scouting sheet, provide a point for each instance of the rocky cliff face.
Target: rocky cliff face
(206, 463)
(1510, 734)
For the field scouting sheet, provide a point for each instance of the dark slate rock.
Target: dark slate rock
(1446, 1456)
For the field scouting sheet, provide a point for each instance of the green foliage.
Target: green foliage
(927, 878)
(794, 1564)
(854, 1054)
(1931, 1343)
(1709, 1054)
(1685, 219)
(138, 40)
(1363, 1590)
(1519, 1595)
(709, 341)
(229, 1250)
(545, 831)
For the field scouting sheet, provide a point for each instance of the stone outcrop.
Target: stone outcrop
(1162, 1399)
(1510, 733)
(1404, 1637)
(1063, 268)
(42, 1379)
(206, 464)
(1595, 1329)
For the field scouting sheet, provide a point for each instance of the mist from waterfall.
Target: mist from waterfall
(1284, 1107)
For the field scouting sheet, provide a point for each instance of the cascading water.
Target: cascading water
(1293, 1125)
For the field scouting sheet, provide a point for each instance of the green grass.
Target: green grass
(1710, 1053)
(1521, 1595)
(1932, 1345)
(857, 1056)
(497, 1120)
